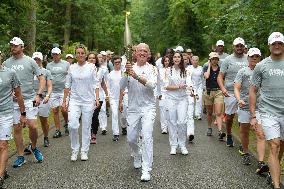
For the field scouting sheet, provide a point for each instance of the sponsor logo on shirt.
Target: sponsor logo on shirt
(56, 69)
(18, 67)
(276, 72)
(241, 64)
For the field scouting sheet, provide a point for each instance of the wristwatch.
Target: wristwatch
(40, 95)
(23, 113)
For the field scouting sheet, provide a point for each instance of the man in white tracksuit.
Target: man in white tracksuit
(82, 85)
(141, 82)
(113, 86)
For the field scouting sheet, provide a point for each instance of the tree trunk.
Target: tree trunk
(31, 31)
(67, 26)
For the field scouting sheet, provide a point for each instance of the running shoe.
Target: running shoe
(38, 155)
(262, 167)
(230, 142)
(104, 132)
(57, 134)
(84, 156)
(1, 182)
(184, 151)
(173, 151)
(221, 136)
(241, 150)
(19, 161)
(45, 142)
(209, 132)
(74, 156)
(165, 131)
(93, 139)
(137, 162)
(115, 138)
(124, 131)
(190, 138)
(66, 129)
(28, 149)
(146, 176)
(246, 159)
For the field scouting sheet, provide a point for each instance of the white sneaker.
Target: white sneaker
(74, 156)
(165, 131)
(137, 161)
(84, 156)
(183, 151)
(173, 151)
(146, 176)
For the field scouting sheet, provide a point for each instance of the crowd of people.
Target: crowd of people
(241, 83)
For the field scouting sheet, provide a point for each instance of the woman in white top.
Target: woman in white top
(177, 103)
(81, 85)
(162, 93)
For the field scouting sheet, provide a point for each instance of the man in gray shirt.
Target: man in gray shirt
(9, 83)
(58, 69)
(26, 68)
(268, 78)
(228, 71)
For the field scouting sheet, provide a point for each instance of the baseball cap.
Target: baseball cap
(17, 41)
(178, 48)
(103, 53)
(253, 51)
(239, 40)
(188, 50)
(55, 50)
(275, 36)
(37, 55)
(220, 43)
(213, 55)
(109, 52)
(69, 55)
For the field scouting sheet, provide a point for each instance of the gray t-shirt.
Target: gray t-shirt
(26, 68)
(243, 77)
(268, 76)
(230, 67)
(8, 82)
(58, 71)
(47, 75)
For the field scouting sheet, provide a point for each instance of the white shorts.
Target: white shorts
(273, 126)
(44, 109)
(30, 111)
(6, 125)
(231, 104)
(56, 99)
(244, 116)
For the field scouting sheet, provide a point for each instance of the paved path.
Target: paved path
(210, 164)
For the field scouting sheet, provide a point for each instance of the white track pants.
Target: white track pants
(114, 115)
(177, 121)
(103, 116)
(74, 113)
(144, 122)
(198, 103)
(123, 117)
(163, 114)
(190, 121)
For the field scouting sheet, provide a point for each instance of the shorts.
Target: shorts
(44, 109)
(56, 99)
(273, 126)
(231, 104)
(6, 125)
(214, 97)
(244, 116)
(30, 111)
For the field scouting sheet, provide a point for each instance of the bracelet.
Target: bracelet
(23, 113)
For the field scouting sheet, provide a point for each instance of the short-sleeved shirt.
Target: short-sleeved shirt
(8, 82)
(243, 77)
(268, 76)
(58, 70)
(26, 68)
(230, 67)
(47, 75)
(211, 82)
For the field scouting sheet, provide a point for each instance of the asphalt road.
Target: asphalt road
(210, 164)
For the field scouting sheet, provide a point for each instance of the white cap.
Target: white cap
(253, 51)
(109, 52)
(178, 48)
(239, 40)
(213, 55)
(220, 43)
(275, 36)
(55, 50)
(37, 55)
(17, 41)
(103, 53)
(69, 55)
(188, 51)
